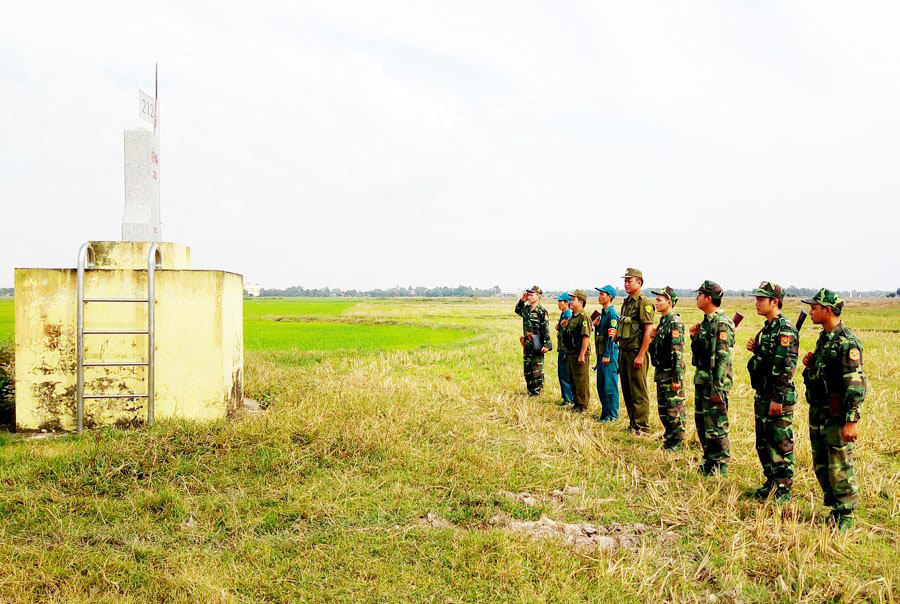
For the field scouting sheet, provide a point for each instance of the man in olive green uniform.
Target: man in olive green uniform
(835, 389)
(535, 338)
(635, 322)
(577, 339)
(771, 369)
(667, 356)
(712, 342)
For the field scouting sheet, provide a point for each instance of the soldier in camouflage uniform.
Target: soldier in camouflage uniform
(577, 339)
(535, 338)
(712, 342)
(667, 356)
(835, 388)
(771, 369)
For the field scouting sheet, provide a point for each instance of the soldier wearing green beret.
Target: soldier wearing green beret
(535, 338)
(771, 368)
(633, 336)
(712, 342)
(577, 339)
(835, 389)
(667, 356)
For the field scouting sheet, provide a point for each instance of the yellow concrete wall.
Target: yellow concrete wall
(199, 346)
(133, 254)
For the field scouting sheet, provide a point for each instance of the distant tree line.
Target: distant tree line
(6, 292)
(394, 292)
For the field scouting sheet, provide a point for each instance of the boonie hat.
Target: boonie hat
(826, 297)
(633, 272)
(565, 297)
(768, 289)
(580, 295)
(711, 289)
(534, 289)
(667, 292)
(609, 289)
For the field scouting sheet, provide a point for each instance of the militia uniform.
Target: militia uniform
(607, 348)
(577, 329)
(771, 369)
(711, 351)
(637, 311)
(562, 366)
(835, 389)
(536, 334)
(667, 355)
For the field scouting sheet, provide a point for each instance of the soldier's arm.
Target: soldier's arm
(722, 357)
(784, 364)
(854, 380)
(677, 352)
(520, 307)
(610, 332)
(545, 332)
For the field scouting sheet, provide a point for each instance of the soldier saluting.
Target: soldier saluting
(835, 388)
(712, 341)
(535, 338)
(667, 356)
(771, 368)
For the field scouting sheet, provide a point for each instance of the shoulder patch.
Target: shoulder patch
(785, 341)
(613, 322)
(648, 308)
(723, 335)
(853, 354)
(676, 333)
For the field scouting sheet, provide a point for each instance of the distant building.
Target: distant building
(251, 289)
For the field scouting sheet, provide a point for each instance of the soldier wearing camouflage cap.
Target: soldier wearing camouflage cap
(633, 336)
(835, 389)
(771, 368)
(667, 356)
(577, 340)
(535, 338)
(712, 342)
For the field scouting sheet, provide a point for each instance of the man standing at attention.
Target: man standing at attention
(562, 369)
(835, 388)
(535, 338)
(712, 342)
(605, 327)
(633, 336)
(771, 369)
(578, 350)
(667, 355)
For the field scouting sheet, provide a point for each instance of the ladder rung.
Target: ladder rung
(90, 332)
(114, 396)
(116, 300)
(117, 364)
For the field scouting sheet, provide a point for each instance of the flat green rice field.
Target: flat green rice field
(7, 319)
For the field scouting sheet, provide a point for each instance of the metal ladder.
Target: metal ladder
(86, 261)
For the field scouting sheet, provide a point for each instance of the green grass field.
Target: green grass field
(321, 498)
(7, 323)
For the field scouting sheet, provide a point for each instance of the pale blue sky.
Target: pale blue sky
(361, 144)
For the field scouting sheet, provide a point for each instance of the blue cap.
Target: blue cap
(565, 297)
(609, 289)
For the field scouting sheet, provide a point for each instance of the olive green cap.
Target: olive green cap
(769, 289)
(580, 295)
(667, 292)
(633, 272)
(534, 289)
(826, 297)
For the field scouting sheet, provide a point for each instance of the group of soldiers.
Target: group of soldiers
(626, 340)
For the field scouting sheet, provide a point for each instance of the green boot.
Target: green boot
(843, 521)
(762, 493)
(782, 495)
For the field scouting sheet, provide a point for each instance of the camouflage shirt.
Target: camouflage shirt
(637, 311)
(835, 375)
(535, 320)
(667, 349)
(774, 360)
(578, 326)
(711, 352)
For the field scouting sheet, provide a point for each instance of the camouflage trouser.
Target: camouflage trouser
(833, 461)
(712, 425)
(775, 443)
(670, 404)
(581, 379)
(534, 373)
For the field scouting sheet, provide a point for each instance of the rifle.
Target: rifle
(800, 320)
